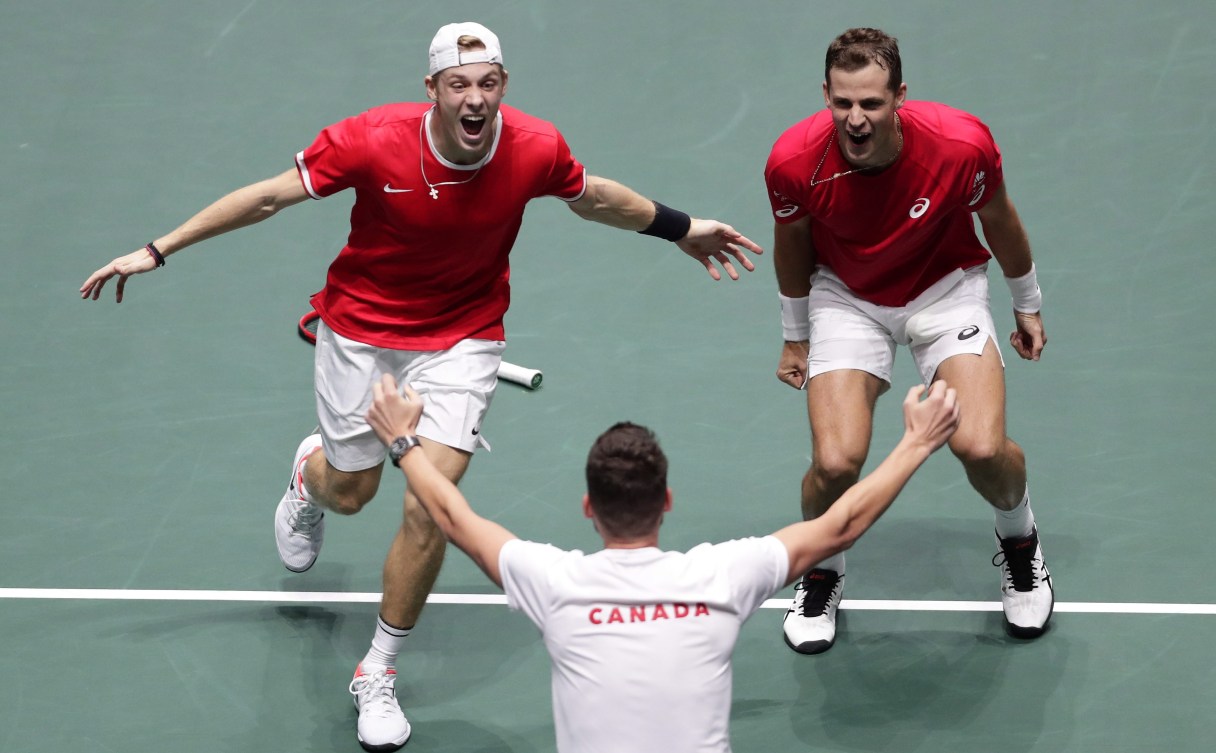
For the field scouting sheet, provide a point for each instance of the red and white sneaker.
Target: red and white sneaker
(382, 724)
(299, 525)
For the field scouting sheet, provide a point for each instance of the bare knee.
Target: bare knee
(343, 492)
(835, 470)
(980, 451)
(349, 502)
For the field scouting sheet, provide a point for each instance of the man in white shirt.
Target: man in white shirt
(640, 638)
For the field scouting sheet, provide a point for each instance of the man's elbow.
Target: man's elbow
(583, 211)
(589, 204)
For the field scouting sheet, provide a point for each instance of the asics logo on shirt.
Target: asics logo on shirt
(789, 208)
(919, 208)
(978, 186)
(388, 188)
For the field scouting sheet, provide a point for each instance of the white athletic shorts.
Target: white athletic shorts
(457, 384)
(952, 317)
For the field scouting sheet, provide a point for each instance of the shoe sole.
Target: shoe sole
(810, 648)
(385, 747)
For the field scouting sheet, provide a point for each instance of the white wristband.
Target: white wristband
(795, 318)
(1027, 298)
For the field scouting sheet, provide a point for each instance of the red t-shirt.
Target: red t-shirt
(423, 273)
(890, 235)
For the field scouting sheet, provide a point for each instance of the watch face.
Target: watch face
(400, 446)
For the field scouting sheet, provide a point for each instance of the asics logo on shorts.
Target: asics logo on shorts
(969, 332)
(919, 208)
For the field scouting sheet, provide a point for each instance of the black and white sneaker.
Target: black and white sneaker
(810, 623)
(1027, 595)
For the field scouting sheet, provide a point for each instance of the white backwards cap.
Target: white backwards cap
(445, 52)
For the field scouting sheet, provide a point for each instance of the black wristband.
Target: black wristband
(669, 224)
(157, 256)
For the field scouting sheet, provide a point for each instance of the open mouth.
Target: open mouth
(473, 124)
(859, 138)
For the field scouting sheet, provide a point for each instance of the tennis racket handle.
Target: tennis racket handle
(530, 378)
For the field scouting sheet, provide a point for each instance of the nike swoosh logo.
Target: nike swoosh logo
(388, 188)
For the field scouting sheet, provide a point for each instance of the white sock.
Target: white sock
(835, 563)
(385, 646)
(1018, 522)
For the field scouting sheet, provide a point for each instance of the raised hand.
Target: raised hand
(134, 263)
(710, 240)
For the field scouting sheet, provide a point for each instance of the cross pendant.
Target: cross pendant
(434, 193)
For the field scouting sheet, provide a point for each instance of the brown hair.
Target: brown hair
(857, 48)
(627, 480)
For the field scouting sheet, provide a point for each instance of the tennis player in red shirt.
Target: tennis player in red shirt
(419, 292)
(875, 247)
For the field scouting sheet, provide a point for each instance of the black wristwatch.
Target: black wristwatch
(399, 447)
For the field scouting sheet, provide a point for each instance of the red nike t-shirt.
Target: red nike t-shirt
(420, 272)
(891, 235)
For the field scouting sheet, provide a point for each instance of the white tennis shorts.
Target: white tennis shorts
(457, 385)
(952, 317)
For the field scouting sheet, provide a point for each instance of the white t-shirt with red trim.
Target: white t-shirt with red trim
(423, 270)
(889, 236)
(641, 639)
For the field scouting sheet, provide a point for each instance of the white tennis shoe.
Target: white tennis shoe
(299, 525)
(382, 724)
(1027, 595)
(810, 623)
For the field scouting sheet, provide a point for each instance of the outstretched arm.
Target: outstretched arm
(610, 203)
(244, 206)
(1011, 248)
(928, 423)
(392, 416)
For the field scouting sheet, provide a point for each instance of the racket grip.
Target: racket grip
(530, 378)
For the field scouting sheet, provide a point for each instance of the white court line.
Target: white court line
(340, 597)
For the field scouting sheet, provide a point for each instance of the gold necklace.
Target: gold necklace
(422, 166)
(831, 139)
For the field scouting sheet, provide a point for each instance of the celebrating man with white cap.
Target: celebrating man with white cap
(419, 292)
